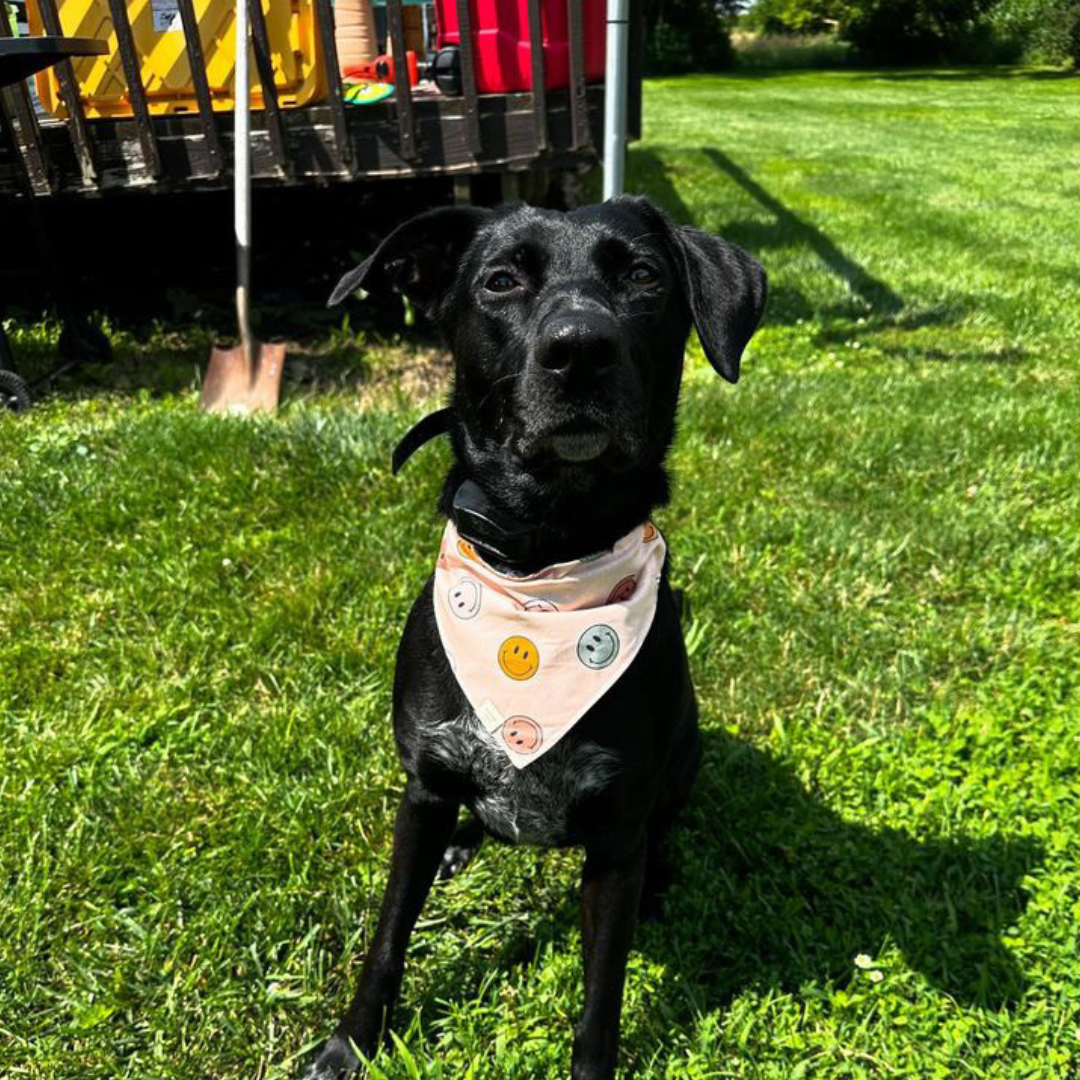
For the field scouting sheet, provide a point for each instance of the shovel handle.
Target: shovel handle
(242, 175)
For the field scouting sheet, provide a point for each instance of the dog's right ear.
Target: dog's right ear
(418, 259)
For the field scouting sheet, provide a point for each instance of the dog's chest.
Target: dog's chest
(530, 805)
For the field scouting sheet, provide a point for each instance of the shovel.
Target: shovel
(247, 378)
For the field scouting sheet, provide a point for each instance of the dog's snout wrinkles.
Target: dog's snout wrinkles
(578, 343)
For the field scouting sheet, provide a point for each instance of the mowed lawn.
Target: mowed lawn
(879, 530)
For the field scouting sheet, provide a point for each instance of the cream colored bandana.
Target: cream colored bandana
(533, 654)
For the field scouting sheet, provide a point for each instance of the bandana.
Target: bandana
(534, 653)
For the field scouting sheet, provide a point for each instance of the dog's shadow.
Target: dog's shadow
(773, 889)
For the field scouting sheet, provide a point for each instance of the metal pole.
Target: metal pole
(618, 35)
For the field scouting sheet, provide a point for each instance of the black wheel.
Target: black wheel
(14, 393)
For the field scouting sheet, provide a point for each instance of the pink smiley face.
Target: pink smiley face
(623, 591)
(539, 605)
(522, 735)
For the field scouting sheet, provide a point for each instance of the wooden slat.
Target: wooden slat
(578, 106)
(539, 90)
(130, 59)
(35, 159)
(9, 144)
(324, 18)
(32, 157)
(402, 90)
(265, 68)
(468, 76)
(197, 63)
(506, 124)
(78, 129)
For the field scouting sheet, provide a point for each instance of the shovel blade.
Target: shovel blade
(235, 385)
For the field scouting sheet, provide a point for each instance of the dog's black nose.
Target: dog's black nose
(579, 344)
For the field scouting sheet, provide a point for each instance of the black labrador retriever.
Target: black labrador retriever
(568, 333)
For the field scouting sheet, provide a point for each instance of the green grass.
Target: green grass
(880, 532)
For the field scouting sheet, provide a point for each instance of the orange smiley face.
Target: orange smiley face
(519, 658)
(467, 550)
(522, 735)
(650, 532)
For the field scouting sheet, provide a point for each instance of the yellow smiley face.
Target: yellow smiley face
(466, 549)
(518, 658)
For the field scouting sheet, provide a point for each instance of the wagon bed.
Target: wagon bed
(418, 132)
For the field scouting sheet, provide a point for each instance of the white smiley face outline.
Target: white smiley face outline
(464, 598)
(598, 647)
(539, 605)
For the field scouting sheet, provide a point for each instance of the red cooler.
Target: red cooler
(501, 49)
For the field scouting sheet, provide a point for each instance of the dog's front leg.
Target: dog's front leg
(422, 831)
(611, 892)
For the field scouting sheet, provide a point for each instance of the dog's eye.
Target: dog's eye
(501, 282)
(642, 274)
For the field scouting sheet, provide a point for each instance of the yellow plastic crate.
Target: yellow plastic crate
(299, 68)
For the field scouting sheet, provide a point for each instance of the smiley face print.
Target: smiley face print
(598, 646)
(522, 735)
(466, 550)
(464, 598)
(650, 532)
(519, 658)
(539, 605)
(623, 591)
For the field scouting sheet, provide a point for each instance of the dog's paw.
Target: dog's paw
(463, 845)
(337, 1061)
(454, 860)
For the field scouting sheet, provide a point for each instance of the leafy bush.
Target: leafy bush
(1044, 31)
(687, 35)
(777, 17)
(918, 31)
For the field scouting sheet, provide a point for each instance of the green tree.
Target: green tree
(916, 31)
(1045, 31)
(689, 35)
(795, 16)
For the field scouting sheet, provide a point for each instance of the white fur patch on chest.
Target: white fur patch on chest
(526, 806)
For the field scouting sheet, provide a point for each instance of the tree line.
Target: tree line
(694, 35)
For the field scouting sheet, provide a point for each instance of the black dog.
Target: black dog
(568, 333)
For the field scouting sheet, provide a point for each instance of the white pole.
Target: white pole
(618, 27)
(242, 179)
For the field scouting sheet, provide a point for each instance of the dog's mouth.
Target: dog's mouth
(580, 442)
(577, 444)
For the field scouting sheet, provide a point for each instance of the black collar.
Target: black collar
(499, 537)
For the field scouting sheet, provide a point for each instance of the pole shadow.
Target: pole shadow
(875, 293)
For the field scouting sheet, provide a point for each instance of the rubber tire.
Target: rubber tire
(14, 393)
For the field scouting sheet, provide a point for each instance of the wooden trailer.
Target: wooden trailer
(417, 132)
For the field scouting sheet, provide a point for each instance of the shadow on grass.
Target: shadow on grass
(789, 227)
(787, 305)
(967, 75)
(775, 890)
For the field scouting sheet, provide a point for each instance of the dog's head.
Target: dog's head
(568, 333)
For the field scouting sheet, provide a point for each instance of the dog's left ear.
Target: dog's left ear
(725, 287)
(418, 259)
